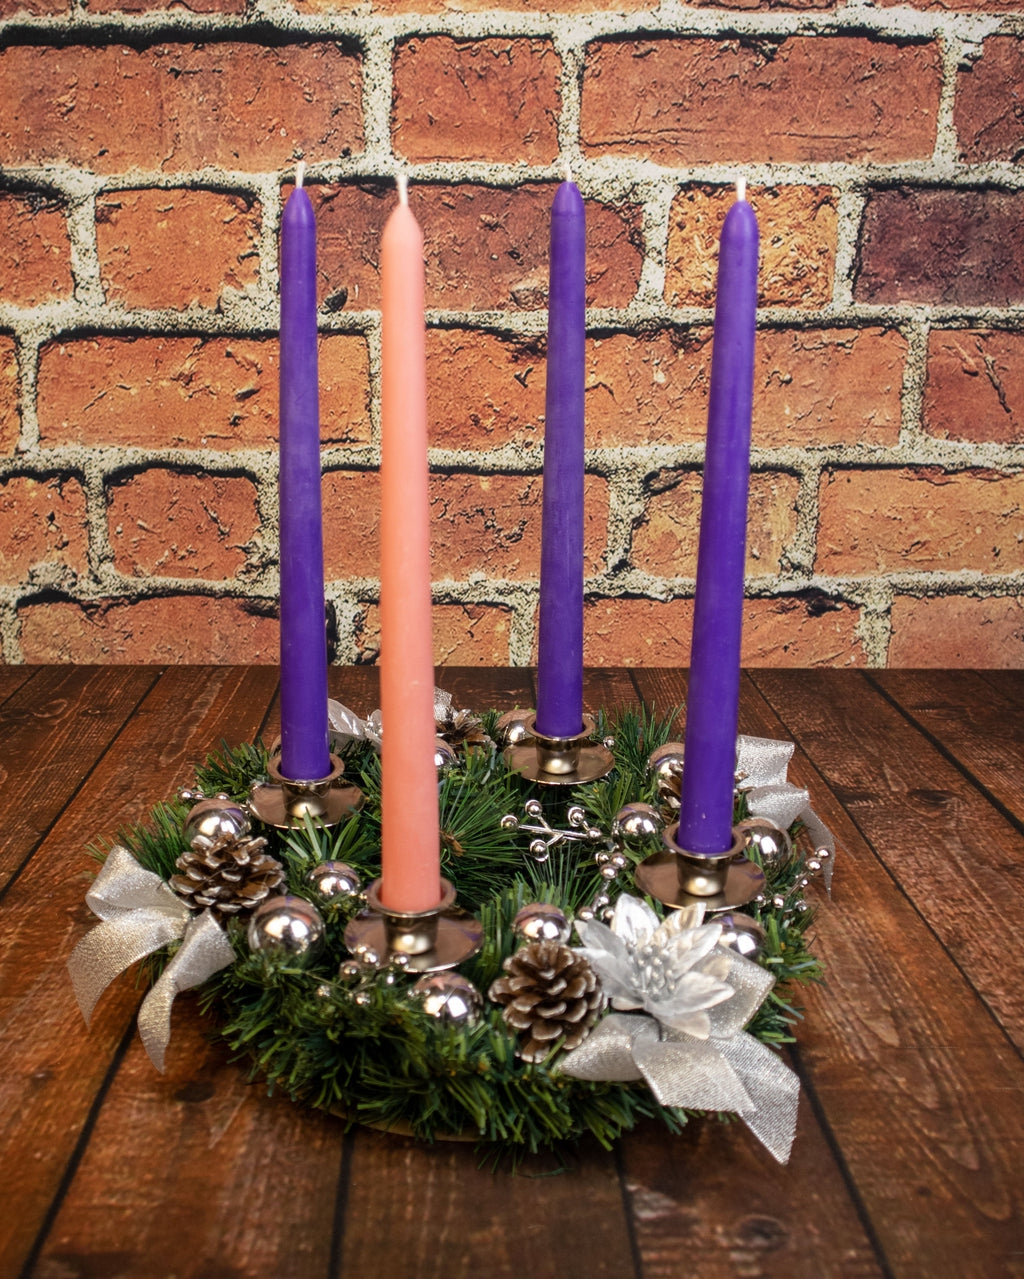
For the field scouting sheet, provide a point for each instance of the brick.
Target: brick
(957, 631)
(464, 634)
(975, 386)
(763, 4)
(161, 6)
(176, 248)
(43, 528)
(486, 248)
(957, 247)
(476, 99)
(966, 6)
(174, 107)
(480, 525)
(483, 6)
(816, 387)
(989, 111)
(10, 415)
(665, 539)
(191, 392)
(483, 390)
(177, 628)
(917, 519)
(798, 245)
(35, 251)
(798, 100)
(165, 523)
(789, 631)
(22, 8)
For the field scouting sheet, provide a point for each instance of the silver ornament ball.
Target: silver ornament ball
(286, 928)
(741, 933)
(333, 881)
(542, 921)
(445, 755)
(511, 728)
(216, 818)
(637, 821)
(666, 763)
(771, 843)
(449, 997)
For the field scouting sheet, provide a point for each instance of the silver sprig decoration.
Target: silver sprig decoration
(547, 836)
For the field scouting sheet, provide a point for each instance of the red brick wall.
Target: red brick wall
(146, 148)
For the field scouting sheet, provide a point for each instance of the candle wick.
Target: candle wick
(568, 171)
(741, 188)
(300, 173)
(403, 188)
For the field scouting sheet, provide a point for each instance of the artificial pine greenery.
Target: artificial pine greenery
(380, 1059)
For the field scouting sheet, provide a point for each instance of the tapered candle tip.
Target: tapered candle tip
(300, 173)
(741, 188)
(403, 188)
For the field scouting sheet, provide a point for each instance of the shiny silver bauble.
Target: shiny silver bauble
(511, 729)
(542, 921)
(448, 997)
(666, 763)
(287, 928)
(768, 841)
(217, 818)
(637, 821)
(741, 933)
(334, 881)
(445, 755)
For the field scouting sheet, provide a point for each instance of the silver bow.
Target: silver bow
(345, 725)
(139, 915)
(762, 764)
(691, 1050)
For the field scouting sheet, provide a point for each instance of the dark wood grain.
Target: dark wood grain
(14, 677)
(56, 726)
(948, 849)
(978, 727)
(919, 1085)
(911, 1131)
(52, 1070)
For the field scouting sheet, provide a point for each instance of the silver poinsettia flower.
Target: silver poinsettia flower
(670, 968)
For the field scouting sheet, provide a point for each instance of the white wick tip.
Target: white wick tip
(567, 171)
(403, 188)
(741, 188)
(300, 173)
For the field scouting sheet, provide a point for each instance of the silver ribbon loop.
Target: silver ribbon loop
(139, 914)
(763, 764)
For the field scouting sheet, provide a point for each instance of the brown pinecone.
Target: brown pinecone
(228, 875)
(549, 991)
(461, 728)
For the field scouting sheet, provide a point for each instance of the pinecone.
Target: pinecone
(460, 728)
(229, 875)
(549, 991)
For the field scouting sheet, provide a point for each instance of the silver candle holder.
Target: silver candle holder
(430, 940)
(722, 881)
(285, 802)
(560, 761)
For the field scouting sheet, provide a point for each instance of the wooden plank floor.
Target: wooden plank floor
(910, 1139)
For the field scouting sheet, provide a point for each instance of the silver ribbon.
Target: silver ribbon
(139, 915)
(345, 726)
(726, 1072)
(762, 764)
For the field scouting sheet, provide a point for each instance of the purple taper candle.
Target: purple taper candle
(304, 731)
(712, 713)
(560, 640)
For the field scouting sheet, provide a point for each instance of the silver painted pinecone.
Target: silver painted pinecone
(461, 728)
(549, 991)
(230, 876)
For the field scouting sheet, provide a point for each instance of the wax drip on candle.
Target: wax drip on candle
(300, 173)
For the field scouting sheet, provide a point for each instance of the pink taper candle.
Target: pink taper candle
(411, 862)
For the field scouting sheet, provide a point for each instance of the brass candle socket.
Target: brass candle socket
(560, 761)
(431, 940)
(286, 802)
(722, 881)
